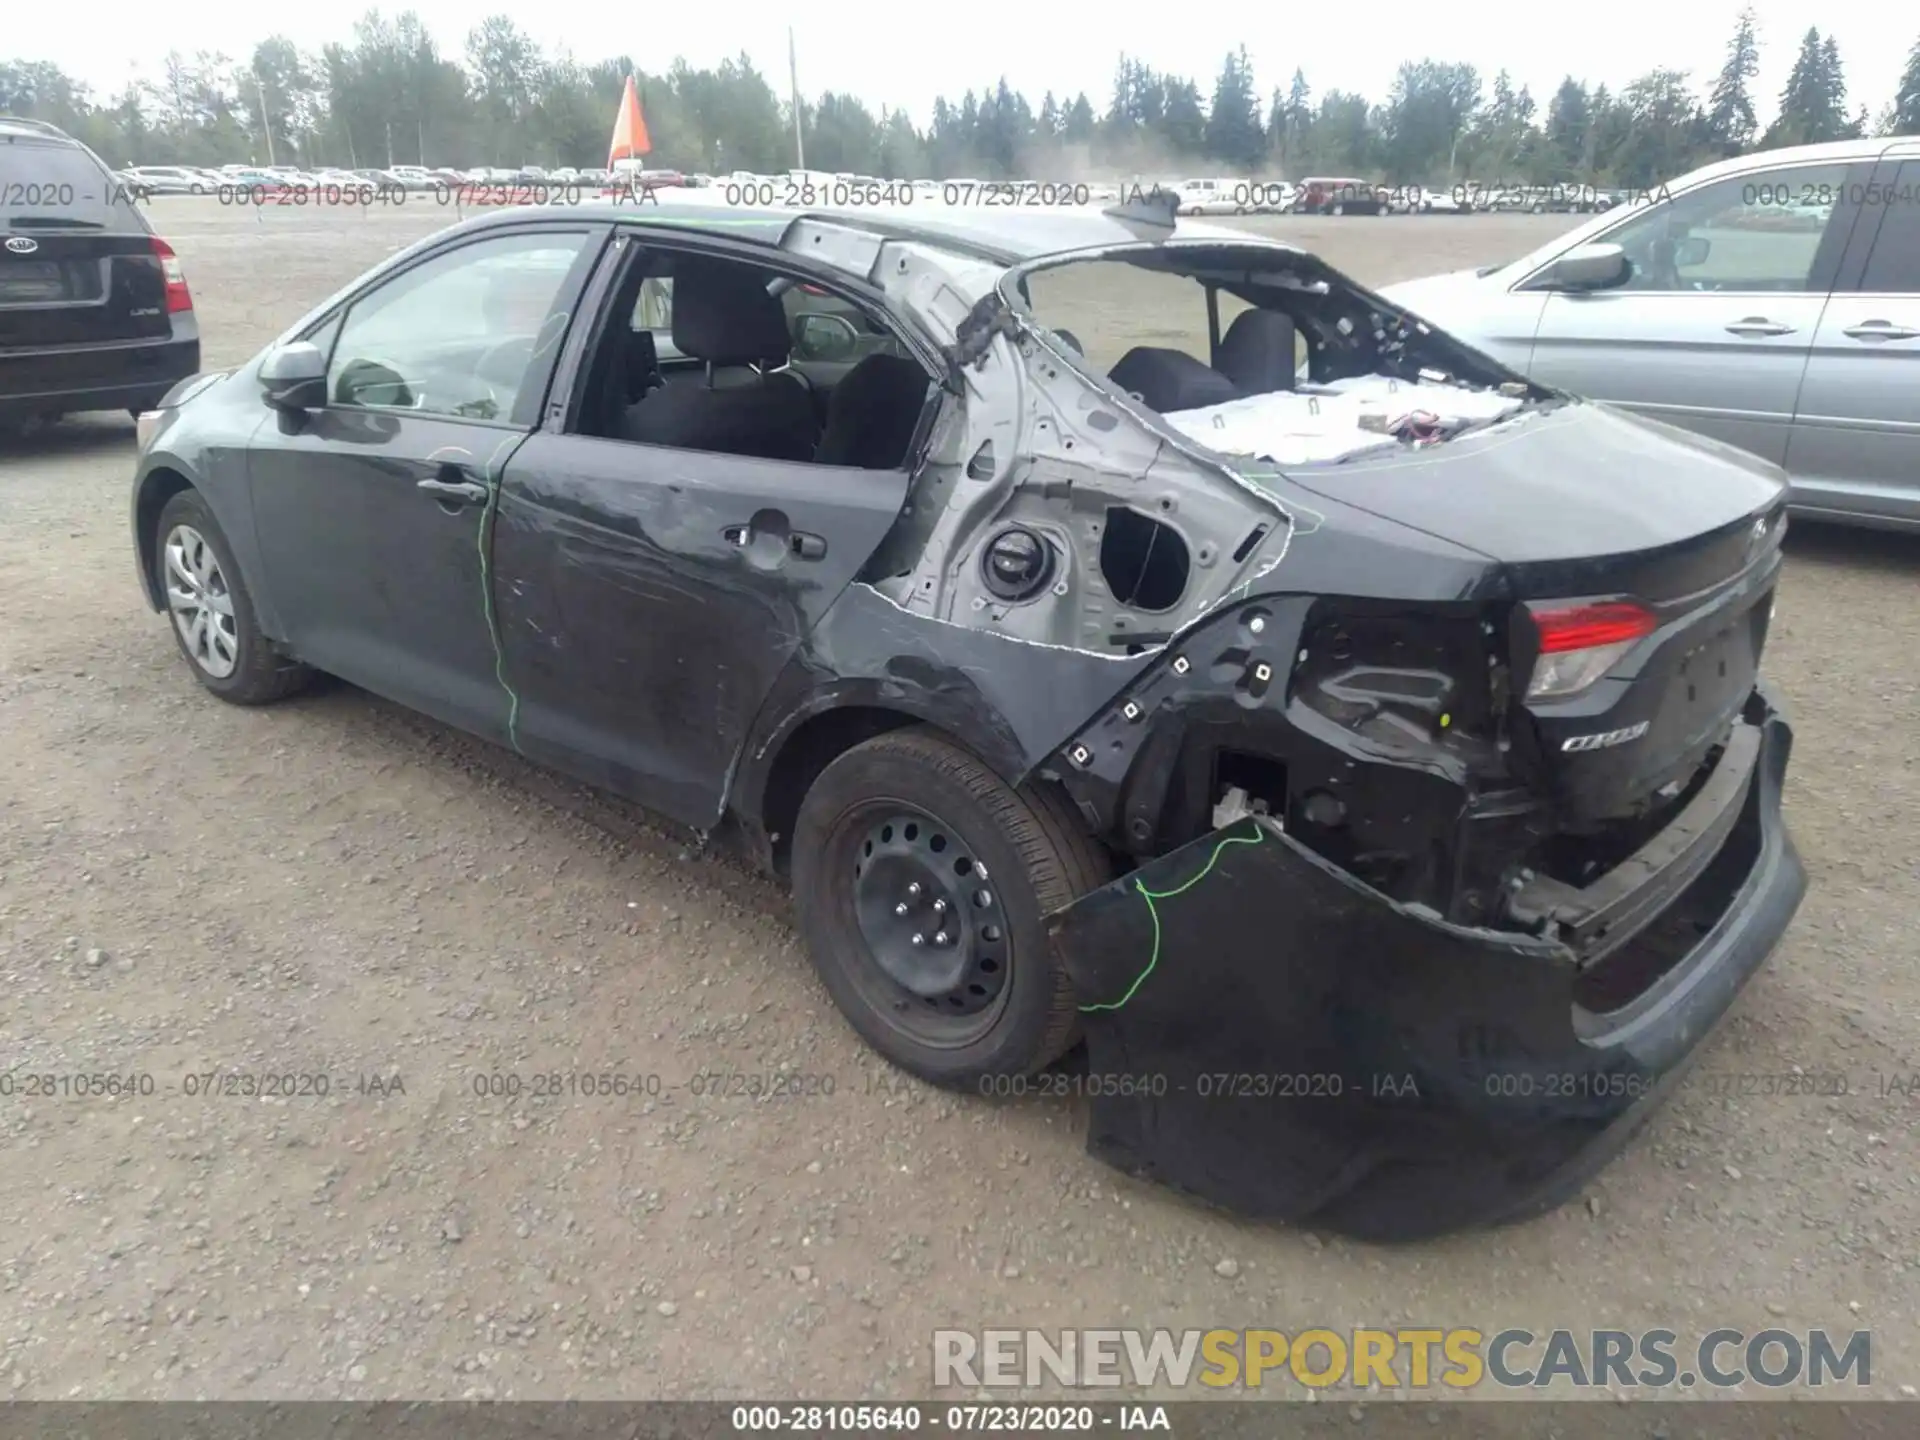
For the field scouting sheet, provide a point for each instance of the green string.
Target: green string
(1154, 913)
(487, 517)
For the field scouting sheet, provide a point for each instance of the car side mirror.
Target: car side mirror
(1586, 267)
(294, 376)
(824, 337)
(1691, 252)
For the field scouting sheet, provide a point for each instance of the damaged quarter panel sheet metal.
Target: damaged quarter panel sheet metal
(1295, 1045)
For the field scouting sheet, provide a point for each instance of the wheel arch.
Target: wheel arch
(777, 771)
(157, 487)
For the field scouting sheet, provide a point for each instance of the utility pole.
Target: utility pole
(260, 94)
(793, 83)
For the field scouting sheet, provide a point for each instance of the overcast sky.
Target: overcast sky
(905, 55)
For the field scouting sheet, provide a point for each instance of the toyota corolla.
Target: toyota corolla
(1358, 748)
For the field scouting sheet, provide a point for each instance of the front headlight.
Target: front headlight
(146, 427)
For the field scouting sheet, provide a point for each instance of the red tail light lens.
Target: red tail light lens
(1582, 627)
(178, 296)
(1580, 643)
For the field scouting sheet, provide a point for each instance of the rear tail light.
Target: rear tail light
(1580, 643)
(178, 296)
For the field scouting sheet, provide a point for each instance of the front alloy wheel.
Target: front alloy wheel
(211, 611)
(200, 602)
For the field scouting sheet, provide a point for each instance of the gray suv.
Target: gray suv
(1772, 301)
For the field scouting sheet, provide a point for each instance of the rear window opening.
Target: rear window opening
(1268, 354)
(1143, 561)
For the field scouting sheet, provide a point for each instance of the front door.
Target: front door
(372, 511)
(1713, 327)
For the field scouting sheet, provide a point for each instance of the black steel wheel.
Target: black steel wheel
(923, 881)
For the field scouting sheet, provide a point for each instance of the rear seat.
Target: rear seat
(1171, 380)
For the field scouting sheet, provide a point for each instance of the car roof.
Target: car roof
(1865, 149)
(1007, 237)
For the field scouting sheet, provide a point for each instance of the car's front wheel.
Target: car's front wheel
(212, 614)
(923, 881)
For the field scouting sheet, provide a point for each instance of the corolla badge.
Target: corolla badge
(22, 244)
(1605, 739)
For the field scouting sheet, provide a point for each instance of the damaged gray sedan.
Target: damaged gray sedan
(1121, 633)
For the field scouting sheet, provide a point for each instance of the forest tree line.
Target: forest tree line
(393, 96)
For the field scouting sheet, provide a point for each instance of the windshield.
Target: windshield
(1266, 355)
(51, 184)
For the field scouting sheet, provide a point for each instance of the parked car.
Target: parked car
(1338, 195)
(165, 179)
(1772, 302)
(95, 313)
(1214, 197)
(1442, 684)
(1440, 200)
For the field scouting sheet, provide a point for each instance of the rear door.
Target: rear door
(77, 262)
(1856, 431)
(1713, 328)
(649, 595)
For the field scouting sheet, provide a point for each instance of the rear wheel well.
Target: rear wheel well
(160, 487)
(815, 744)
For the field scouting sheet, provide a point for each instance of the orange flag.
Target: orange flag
(630, 129)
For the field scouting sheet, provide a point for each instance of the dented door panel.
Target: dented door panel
(648, 598)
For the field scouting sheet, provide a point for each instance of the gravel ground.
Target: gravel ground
(336, 887)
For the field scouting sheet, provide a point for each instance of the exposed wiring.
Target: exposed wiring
(1153, 912)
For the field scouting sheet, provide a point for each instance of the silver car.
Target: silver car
(1772, 301)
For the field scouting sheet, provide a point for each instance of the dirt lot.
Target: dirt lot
(334, 886)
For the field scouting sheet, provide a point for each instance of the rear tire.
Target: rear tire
(908, 819)
(210, 611)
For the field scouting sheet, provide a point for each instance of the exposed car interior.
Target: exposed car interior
(739, 367)
(1309, 369)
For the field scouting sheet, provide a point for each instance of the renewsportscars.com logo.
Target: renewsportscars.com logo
(1405, 1358)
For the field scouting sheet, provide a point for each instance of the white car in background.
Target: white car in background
(1770, 302)
(1224, 196)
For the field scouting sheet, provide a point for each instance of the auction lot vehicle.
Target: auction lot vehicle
(1229, 196)
(1339, 195)
(1771, 301)
(95, 313)
(1359, 747)
(167, 180)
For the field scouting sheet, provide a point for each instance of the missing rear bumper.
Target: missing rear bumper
(1274, 1036)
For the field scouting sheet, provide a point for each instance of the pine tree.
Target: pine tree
(1233, 121)
(1803, 101)
(1730, 119)
(1906, 100)
(1833, 93)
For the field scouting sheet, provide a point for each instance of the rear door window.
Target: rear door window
(1894, 266)
(52, 184)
